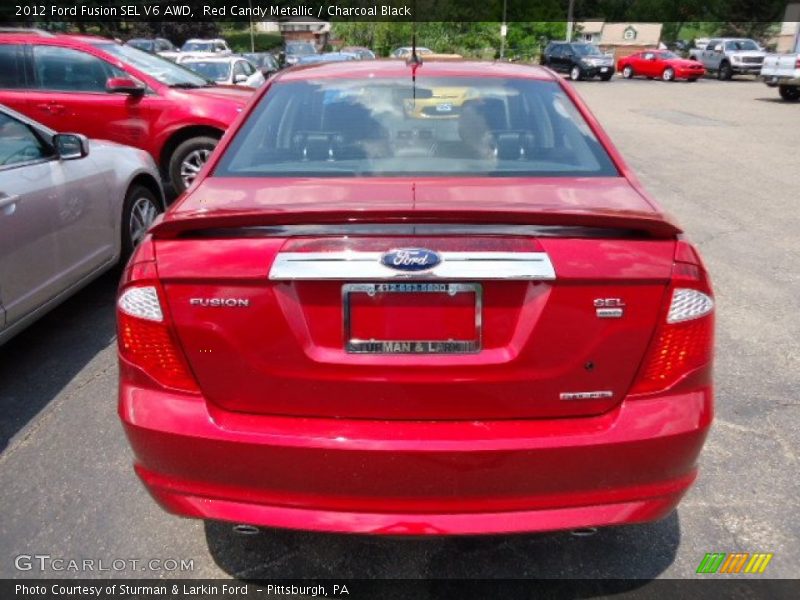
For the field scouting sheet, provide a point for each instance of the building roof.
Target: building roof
(631, 34)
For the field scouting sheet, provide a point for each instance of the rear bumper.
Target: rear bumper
(775, 80)
(630, 465)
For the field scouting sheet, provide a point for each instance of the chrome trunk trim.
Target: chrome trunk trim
(356, 266)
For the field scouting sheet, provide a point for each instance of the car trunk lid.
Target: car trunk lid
(290, 303)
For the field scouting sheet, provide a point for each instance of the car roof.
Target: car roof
(205, 59)
(60, 39)
(431, 68)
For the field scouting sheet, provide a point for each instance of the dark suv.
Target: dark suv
(580, 60)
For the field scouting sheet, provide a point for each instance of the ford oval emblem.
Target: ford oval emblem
(411, 259)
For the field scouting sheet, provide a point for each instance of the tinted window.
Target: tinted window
(18, 143)
(198, 47)
(586, 50)
(12, 74)
(145, 45)
(741, 45)
(300, 49)
(444, 126)
(65, 69)
(218, 71)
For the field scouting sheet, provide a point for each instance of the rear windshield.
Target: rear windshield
(586, 50)
(218, 71)
(198, 47)
(300, 49)
(440, 126)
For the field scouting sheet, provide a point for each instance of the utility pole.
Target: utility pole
(503, 32)
(252, 34)
(570, 17)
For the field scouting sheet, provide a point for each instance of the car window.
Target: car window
(248, 68)
(12, 70)
(741, 45)
(649, 55)
(557, 51)
(218, 71)
(66, 69)
(220, 47)
(440, 126)
(161, 69)
(19, 143)
(586, 50)
(300, 49)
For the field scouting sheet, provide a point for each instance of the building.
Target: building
(619, 39)
(306, 30)
(788, 40)
(268, 27)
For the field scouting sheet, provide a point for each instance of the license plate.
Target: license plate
(412, 318)
(774, 79)
(603, 69)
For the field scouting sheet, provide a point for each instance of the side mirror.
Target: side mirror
(70, 146)
(718, 48)
(239, 78)
(124, 85)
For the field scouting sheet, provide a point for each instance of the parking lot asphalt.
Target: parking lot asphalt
(722, 156)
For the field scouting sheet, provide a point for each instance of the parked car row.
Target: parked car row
(725, 57)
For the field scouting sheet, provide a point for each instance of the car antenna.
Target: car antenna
(414, 60)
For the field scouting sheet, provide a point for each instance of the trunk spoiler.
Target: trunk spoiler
(629, 224)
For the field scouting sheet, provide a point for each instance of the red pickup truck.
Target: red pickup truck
(102, 89)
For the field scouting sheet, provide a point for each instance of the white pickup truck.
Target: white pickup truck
(783, 71)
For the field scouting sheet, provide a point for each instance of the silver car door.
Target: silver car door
(86, 221)
(29, 263)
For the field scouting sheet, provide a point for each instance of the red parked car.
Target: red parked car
(105, 90)
(663, 64)
(362, 320)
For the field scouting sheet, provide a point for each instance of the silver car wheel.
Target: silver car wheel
(575, 73)
(668, 74)
(192, 164)
(143, 213)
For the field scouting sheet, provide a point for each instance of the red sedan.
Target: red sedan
(662, 64)
(361, 320)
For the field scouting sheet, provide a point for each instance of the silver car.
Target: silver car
(70, 209)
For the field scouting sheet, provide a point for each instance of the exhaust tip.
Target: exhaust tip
(584, 532)
(246, 530)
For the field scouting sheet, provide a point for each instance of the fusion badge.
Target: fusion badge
(220, 302)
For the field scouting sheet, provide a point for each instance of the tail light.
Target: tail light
(144, 337)
(684, 339)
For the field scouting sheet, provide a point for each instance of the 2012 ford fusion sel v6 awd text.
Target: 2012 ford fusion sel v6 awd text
(374, 316)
